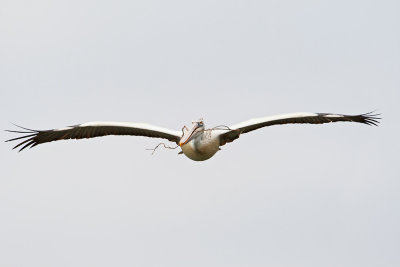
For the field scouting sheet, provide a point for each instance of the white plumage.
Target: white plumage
(197, 143)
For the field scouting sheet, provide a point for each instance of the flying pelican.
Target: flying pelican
(197, 143)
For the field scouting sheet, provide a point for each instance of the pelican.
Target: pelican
(197, 143)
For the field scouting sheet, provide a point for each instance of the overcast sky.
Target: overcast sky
(293, 195)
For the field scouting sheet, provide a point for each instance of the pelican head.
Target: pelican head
(196, 130)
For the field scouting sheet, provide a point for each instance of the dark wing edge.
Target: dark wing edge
(369, 118)
(32, 138)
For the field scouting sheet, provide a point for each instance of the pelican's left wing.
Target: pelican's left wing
(302, 117)
(93, 129)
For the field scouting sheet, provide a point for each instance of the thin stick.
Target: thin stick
(224, 127)
(184, 127)
(165, 146)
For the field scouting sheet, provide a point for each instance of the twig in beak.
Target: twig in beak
(165, 146)
(221, 127)
(186, 128)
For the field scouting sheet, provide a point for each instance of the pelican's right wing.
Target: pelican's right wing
(302, 117)
(93, 129)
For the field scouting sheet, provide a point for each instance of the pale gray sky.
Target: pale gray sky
(298, 195)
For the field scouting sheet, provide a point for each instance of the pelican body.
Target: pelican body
(197, 143)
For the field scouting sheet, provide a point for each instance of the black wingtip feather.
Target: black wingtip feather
(31, 130)
(12, 131)
(29, 136)
(23, 142)
(371, 118)
(26, 145)
(25, 136)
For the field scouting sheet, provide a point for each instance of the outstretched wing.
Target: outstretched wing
(303, 117)
(92, 129)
